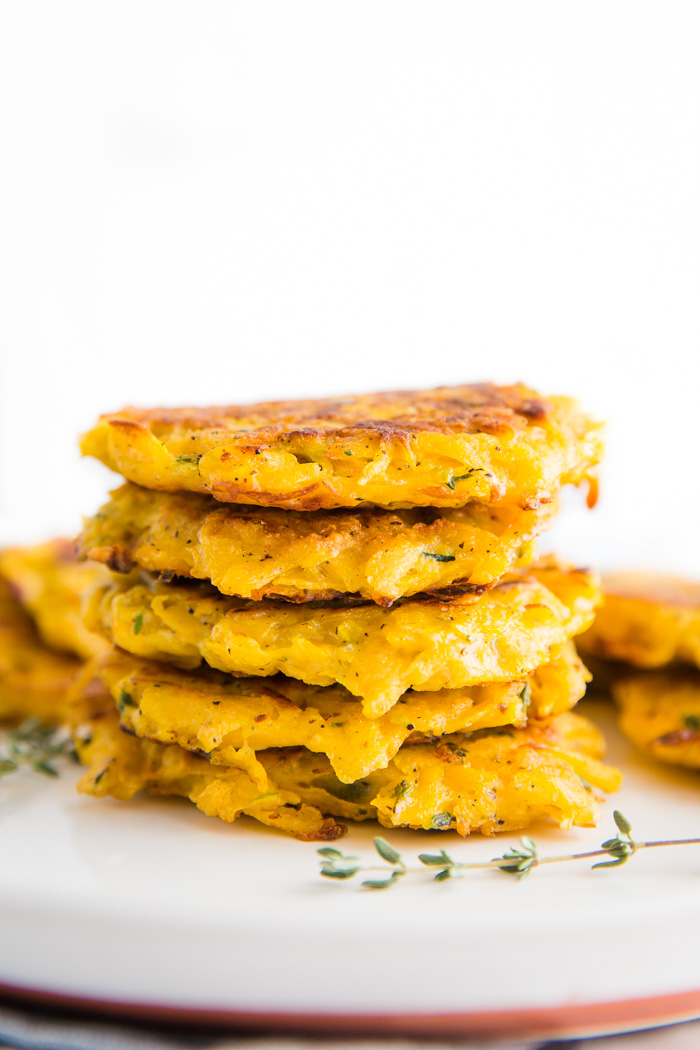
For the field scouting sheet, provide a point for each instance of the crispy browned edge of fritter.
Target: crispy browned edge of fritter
(653, 588)
(481, 407)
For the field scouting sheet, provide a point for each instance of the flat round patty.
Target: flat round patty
(660, 713)
(440, 448)
(264, 552)
(230, 719)
(49, 582)
(34, 680)
(376, 653)
(490, 781)
(646, 619)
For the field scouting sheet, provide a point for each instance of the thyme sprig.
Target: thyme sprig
(35, 746)
(518, 860)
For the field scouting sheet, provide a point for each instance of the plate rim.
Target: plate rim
(574, 1020)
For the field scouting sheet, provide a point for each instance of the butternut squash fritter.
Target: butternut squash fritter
(646, 619)
(312, 556)
(120, 765)
(49, 582)
(660, 713)
(376, 653)
(490, 781)
(432, 448)
(231, 719)
(33, 680)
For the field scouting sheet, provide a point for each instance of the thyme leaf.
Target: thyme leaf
(461, 477)
(387, 852)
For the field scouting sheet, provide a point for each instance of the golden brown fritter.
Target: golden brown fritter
(660, 712)
(490, 781)
(120, 765)
(646, 619)
(431, 448)
(49, 582)
(258, 553)
(230, 719)
(376, 653)
(33, 680)
(42, 636)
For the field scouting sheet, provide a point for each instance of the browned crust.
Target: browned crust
(254, 552)
(679, 736)
(653, 588)
(441, 447)
(395, 414)
(120, 561)
(328, 831)
(230, 492)
(115, 557)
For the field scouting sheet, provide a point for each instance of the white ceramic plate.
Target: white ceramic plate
(154, 909)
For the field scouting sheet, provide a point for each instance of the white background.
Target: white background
(224, 201)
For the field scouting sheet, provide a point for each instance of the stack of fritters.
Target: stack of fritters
(329, 609)
(645, 646)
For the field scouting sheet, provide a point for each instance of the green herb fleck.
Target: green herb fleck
(189, 458)
(692, 722)
(125, 700)
(438, 557)
(138, 623)
(460, 477)
(441, 820)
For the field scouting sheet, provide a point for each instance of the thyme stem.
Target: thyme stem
(518, 861)
(668, 842)
(35, 746)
